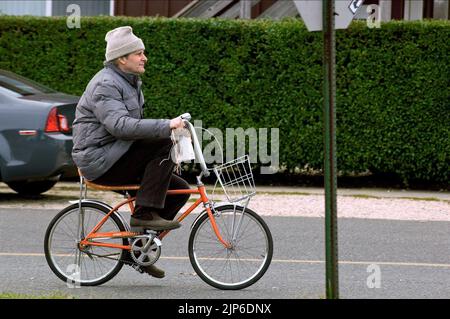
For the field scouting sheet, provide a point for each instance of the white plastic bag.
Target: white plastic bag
(182, 150)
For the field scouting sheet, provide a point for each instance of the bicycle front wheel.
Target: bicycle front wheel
(239, 266)
(92, 265)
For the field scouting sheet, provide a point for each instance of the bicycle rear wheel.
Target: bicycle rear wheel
(231, 268)
(93, 265)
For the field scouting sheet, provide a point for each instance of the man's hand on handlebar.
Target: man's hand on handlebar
(176, 123)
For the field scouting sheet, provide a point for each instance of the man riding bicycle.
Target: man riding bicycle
(115, 145)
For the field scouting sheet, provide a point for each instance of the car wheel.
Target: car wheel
(31, 188)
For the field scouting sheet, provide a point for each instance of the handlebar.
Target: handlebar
(186, 117)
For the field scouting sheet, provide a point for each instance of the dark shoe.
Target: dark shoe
(154, 222)
(154, 271)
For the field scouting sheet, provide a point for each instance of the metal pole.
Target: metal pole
(329, 89)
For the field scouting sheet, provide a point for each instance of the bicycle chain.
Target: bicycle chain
(128, 260)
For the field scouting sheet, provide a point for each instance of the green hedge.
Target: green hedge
(393, 109)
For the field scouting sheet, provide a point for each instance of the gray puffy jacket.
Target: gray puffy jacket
(108, 119)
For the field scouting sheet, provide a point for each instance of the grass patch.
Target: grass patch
(55, 295)
(285, 193)
(363, 196)
(428, 199)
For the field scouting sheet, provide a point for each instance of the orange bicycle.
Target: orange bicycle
(230, 246)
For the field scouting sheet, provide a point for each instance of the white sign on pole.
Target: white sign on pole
(311, 13)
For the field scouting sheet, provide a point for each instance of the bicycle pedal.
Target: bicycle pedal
(143, 230)
(138, 268)
(151, 232)
(137, 229)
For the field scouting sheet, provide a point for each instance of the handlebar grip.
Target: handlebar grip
(186, 116)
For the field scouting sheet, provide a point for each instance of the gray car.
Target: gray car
(35, 134)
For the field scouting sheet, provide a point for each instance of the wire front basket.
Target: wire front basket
(236, 178)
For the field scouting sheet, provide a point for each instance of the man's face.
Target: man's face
(134, 62)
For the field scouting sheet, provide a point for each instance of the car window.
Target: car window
(7, 93)
(21, 85)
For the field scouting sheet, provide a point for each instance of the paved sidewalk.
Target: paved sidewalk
(368, 203)
(369, 192)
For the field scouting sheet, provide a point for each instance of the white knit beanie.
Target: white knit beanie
(121, 41)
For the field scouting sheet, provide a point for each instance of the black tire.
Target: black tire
(31, 188)
(53, 257)
(202, 228)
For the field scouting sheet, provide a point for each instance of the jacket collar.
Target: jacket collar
(133, 79)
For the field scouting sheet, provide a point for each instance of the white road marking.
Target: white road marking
(284, 261)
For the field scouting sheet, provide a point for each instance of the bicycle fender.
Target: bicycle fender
(93, 201)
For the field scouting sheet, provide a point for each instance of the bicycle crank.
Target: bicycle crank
(146, 249)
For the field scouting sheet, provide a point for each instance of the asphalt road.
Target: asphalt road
(378, 259)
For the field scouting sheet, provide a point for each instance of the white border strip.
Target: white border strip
(48, 8)
(111, 8)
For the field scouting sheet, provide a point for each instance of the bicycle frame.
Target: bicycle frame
(89, 240)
